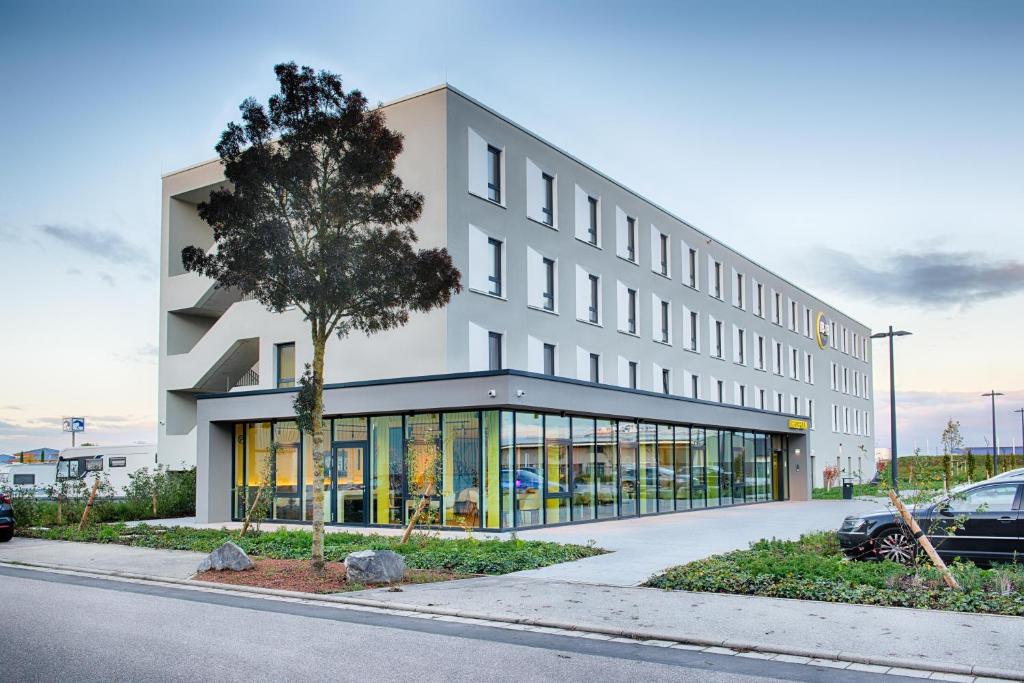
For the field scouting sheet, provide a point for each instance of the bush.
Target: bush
(814, 568)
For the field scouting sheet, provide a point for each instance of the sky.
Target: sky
(869, 152)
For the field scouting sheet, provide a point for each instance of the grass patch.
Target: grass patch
(836, 492)
(813, 568)
(423, 551)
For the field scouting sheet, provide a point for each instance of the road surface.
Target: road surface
(75, 628)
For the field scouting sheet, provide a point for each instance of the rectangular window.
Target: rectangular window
(549, 359)
(695, 386)
(592, 225)
(593, 312)
(494, 174)
(693, 330)
(494, 350)
(285, 365)
(494, 258)
(807, 322)
(664, 254)
(792, 316)
(760, 300)
(718, 280)
(632, 374)
(741, 351)
(631, 319)
(548, 209)
(777, 312)
(718, 338)
(595, 368)
(631, 238)
(721, 391)
(796, 405)
(794, 366)
(664, 321)
(666, 381)
(743, 395)
(117, 462)
(549, 285)
(760, 352)
(739, 290)
(760, 399)
(693, 268)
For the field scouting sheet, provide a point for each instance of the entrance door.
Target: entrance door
(350, 483)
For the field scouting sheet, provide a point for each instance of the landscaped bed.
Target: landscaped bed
(814, 568)
(461, 556)
(295, 575)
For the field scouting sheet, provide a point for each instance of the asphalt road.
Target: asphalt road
(71, 628)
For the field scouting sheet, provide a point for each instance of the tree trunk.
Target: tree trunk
(154, 500)
(248, 513)
(88, 505)
(60, 510)
(427, 493)
(319, 342)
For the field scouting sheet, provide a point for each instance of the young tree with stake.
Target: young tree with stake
(315, 217)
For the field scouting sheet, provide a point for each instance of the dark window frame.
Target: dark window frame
(548, 209)
(631, 297)
(594, 310)
(496, 276)
(279, 381)
(592, 227)
(495, 360)
(548, 295)
(549, 359)
(494, 174)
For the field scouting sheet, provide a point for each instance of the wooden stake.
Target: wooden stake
(923, 541)
(88, 505)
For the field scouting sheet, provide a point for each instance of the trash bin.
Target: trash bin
(847, 489)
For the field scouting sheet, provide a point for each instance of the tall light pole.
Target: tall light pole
(1021, 411)
(892, 334)
(995, 447)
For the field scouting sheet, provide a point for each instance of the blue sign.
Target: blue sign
(74, 424)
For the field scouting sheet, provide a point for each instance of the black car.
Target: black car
(6, 518)
(983, 522)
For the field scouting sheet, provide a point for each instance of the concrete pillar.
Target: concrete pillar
(799, 467)
(213, 471)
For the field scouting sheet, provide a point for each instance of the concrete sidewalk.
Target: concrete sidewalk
(928, 637)
(163, 564)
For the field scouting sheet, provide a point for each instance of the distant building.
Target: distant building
(35, 455)
(987, 450)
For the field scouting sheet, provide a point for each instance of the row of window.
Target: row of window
(487, 161)
(503, 470)
(846, 420)
(854, 383)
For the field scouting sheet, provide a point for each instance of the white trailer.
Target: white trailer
(38, 476)
(117, 462)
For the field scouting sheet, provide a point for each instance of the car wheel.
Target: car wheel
(897, 546)
(6, 535)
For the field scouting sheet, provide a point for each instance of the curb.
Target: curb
(632, 633)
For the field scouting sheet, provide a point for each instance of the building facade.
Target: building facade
(646, 329)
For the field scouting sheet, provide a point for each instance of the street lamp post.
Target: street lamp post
(1021, 411)
(892, 334)
(995, 447)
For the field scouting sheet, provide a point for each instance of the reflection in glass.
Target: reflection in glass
(666, 469)
(423, 445)
(528, 481)
(584, 485)
(627, 468)
(507, 479)
(605, 469)
(307, 474)
(556, 466)
(386, 467)
(238, 482)
(725, 467)
(711, 468)
(682, 467)
(490, 425)
(698, 469)
(461, 469)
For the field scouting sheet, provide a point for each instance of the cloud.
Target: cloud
(74, 271)
(108, 278)
(927, 277)
(103, 244)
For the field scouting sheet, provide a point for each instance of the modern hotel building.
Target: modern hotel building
(606, 359)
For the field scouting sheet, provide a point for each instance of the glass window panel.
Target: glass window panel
(529, 475)
(584, 485)
(490, 424)
(386, 468)
(698, 469)
(648, 480)
(605, 469)
(682, 467)
(627, 468)
(506, 441)
(711, 467)
(556, 464)
(238, 483)
(351, 484)
(423, 445)
(257, 454)
(725, 468)
(307, 473)
(666, 469)
(761, 472)
(461, 469)
(350, 429)
(285, 365)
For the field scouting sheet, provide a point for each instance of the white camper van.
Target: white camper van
(117, 462)
(38, 476)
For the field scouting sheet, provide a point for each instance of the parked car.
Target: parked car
(1009, 474)
(983, 522)
(6, 518)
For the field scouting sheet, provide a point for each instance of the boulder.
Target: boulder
(374, 566)
(228, 556)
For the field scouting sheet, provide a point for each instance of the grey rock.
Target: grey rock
(228, 556)
(374, 566)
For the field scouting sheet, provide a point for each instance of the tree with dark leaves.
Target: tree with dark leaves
(314, 216)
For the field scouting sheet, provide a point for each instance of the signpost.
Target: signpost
(73, 425)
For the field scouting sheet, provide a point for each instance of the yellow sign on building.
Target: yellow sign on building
(798, 424)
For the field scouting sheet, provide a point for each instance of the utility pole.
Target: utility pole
(995, 445)
(892, 334)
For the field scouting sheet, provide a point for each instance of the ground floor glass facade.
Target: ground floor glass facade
(498, 469)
